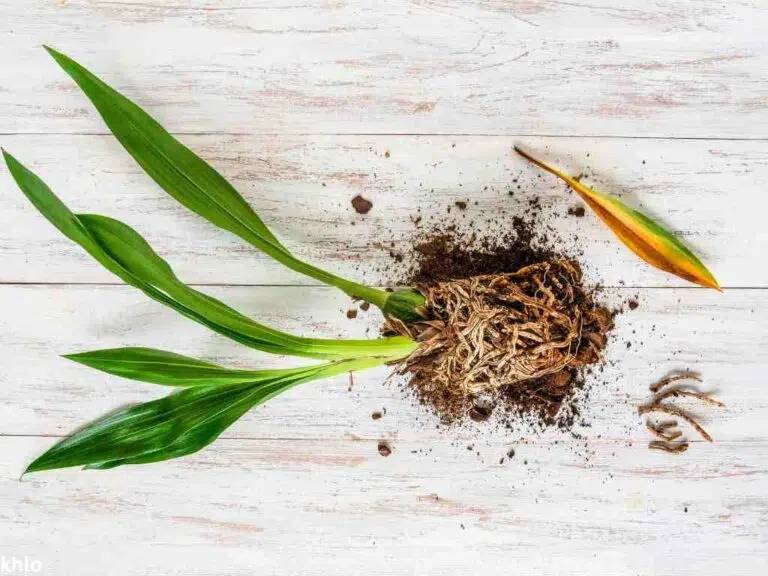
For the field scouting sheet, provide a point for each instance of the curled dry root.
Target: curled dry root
(488, 332)
(666, 430)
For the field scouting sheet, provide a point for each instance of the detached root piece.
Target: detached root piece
(664, 430)
(674, 378)
(673, 411)
(494, 331)
(675, 448)
(677, 393)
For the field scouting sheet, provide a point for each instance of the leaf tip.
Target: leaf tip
(60, 57)
(11, 162)
(52, 51)
(520, 151)
(34, 466)
(713, 283)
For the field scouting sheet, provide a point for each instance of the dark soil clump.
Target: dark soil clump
(540, 286)
(361, 205)
(384, 448)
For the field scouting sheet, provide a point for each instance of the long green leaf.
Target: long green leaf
(178, 424)
(121, 250)
(192, 181)
(166, 368)
(178, 170)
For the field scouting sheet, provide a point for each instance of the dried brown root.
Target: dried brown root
(677, 392)
(673, 411)
(664, 430)
(493, 331)
(674, 378)
(674, 448)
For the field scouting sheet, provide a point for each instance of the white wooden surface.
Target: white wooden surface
(663, 102)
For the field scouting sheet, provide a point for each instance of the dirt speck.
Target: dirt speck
(365, 306)
(376, 415)
(633, 304)
(361, 205)
(351, 313)
(384, 448)
(480, 412)
(461, 205)
(577, 211)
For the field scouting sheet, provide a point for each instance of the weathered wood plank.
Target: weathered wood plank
(661, 68)
(310, 507)
(708, 191)
(720, 335)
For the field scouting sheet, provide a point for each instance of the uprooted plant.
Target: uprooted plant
(469, 336)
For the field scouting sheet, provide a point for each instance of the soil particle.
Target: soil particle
(461, 205)
(444, 255)
(384, 448)
(633, 304)
(480, 412)
(351, 313)
(376, 415)
(365, 306)
(577, 211)
(361, 205)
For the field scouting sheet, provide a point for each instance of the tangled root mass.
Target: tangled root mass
(522, 332)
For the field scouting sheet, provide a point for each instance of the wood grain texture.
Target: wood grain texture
(662, 102)
(308, 507)
(706, 191)
(633, 68)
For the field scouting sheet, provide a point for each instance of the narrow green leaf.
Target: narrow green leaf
(192, 181)
(178, 170)
(166, 368)
(178, 424)
(122, 250)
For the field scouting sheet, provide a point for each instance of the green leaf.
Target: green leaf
(191, 180)
(166, 368)
(122, 250)
(178, 170)
(179, 424)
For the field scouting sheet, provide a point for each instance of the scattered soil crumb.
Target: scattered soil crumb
(376, 415)
(577, 211)
(480, 412)
(352, 313)
(361, 205)
(365, 306)
(386, 154)
(519, 274)
(384, 448)
(461, 205)
(633, 304)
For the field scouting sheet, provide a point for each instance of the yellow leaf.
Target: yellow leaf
(639, 233)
